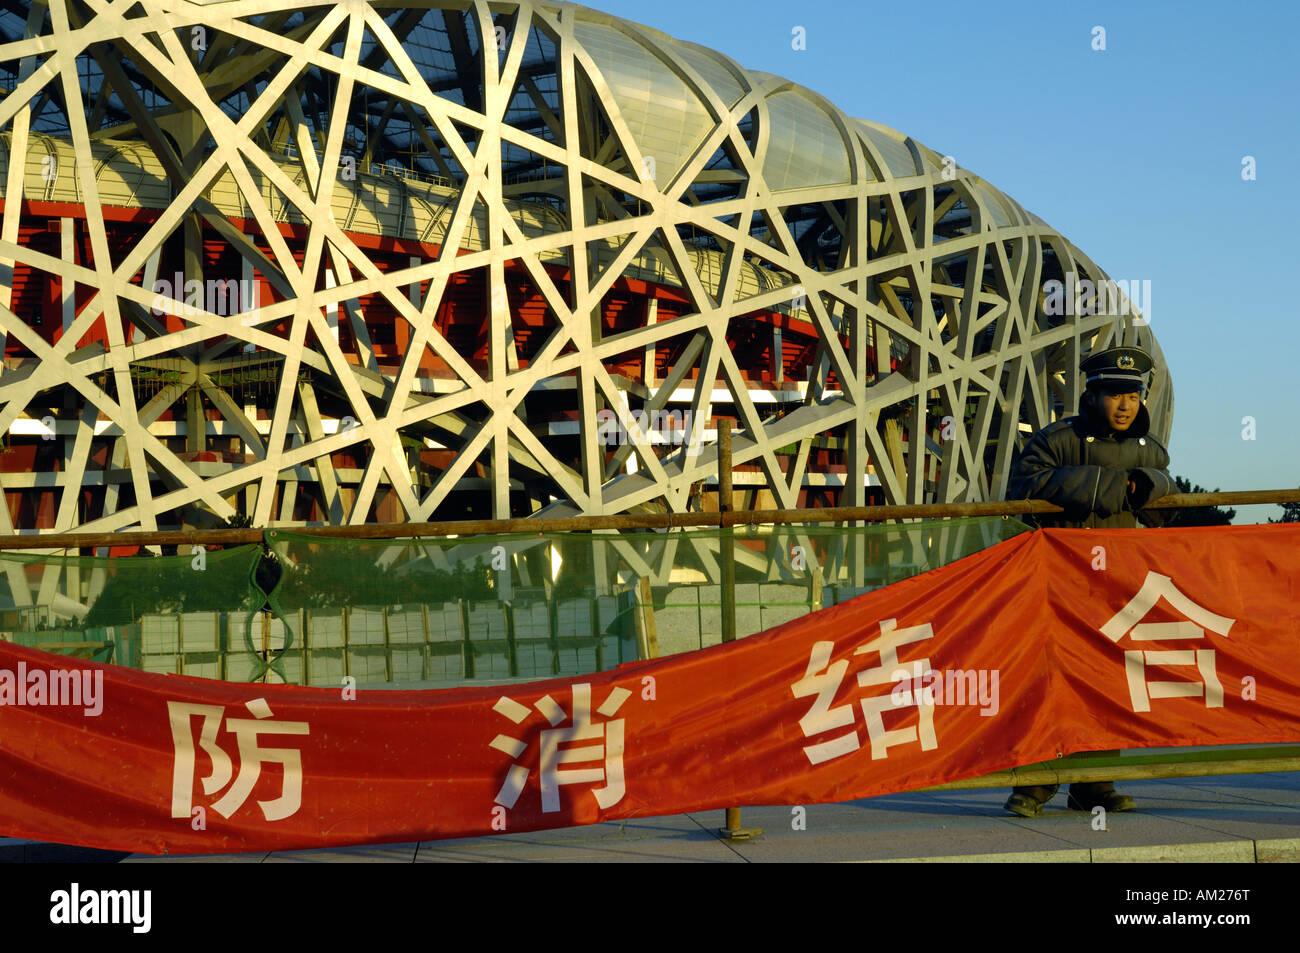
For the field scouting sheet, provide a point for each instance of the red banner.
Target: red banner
(1049, 643)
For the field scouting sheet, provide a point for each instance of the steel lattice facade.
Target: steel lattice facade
(364, 262)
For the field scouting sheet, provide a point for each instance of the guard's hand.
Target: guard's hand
(1139, 489)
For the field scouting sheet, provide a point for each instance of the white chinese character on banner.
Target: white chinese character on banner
(1126, 622)
(251, 759)
(823, 679)
(891, 638)
(559, 749)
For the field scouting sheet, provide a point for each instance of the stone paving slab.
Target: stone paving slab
(683, 838)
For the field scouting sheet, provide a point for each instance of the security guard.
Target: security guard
(1102, 466)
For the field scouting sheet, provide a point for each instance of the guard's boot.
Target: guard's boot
(1029, 801)
(1086, 796)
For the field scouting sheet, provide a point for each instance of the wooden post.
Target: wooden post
(426, 660)
(727, 564)
(593, 617)
(553, 627)
(388, 645)
(347, 642)
(467, 668)
(304, 626)
(726, 535)
(512, 645)
(647, 634)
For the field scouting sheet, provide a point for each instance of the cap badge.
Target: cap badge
(1125, 362)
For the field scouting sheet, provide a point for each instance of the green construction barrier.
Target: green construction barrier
(191, 615)
(449, 610)
(317, 610)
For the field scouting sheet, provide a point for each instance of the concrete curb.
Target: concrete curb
(1279, 850)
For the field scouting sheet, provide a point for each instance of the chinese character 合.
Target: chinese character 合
(1126, 622)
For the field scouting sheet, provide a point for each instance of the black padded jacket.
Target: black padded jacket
(1081, 464)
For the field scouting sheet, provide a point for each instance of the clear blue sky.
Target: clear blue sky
(1134, 153)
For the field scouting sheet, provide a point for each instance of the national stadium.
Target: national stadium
(290, 263)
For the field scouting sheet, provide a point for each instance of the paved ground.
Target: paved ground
(1242, 818)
